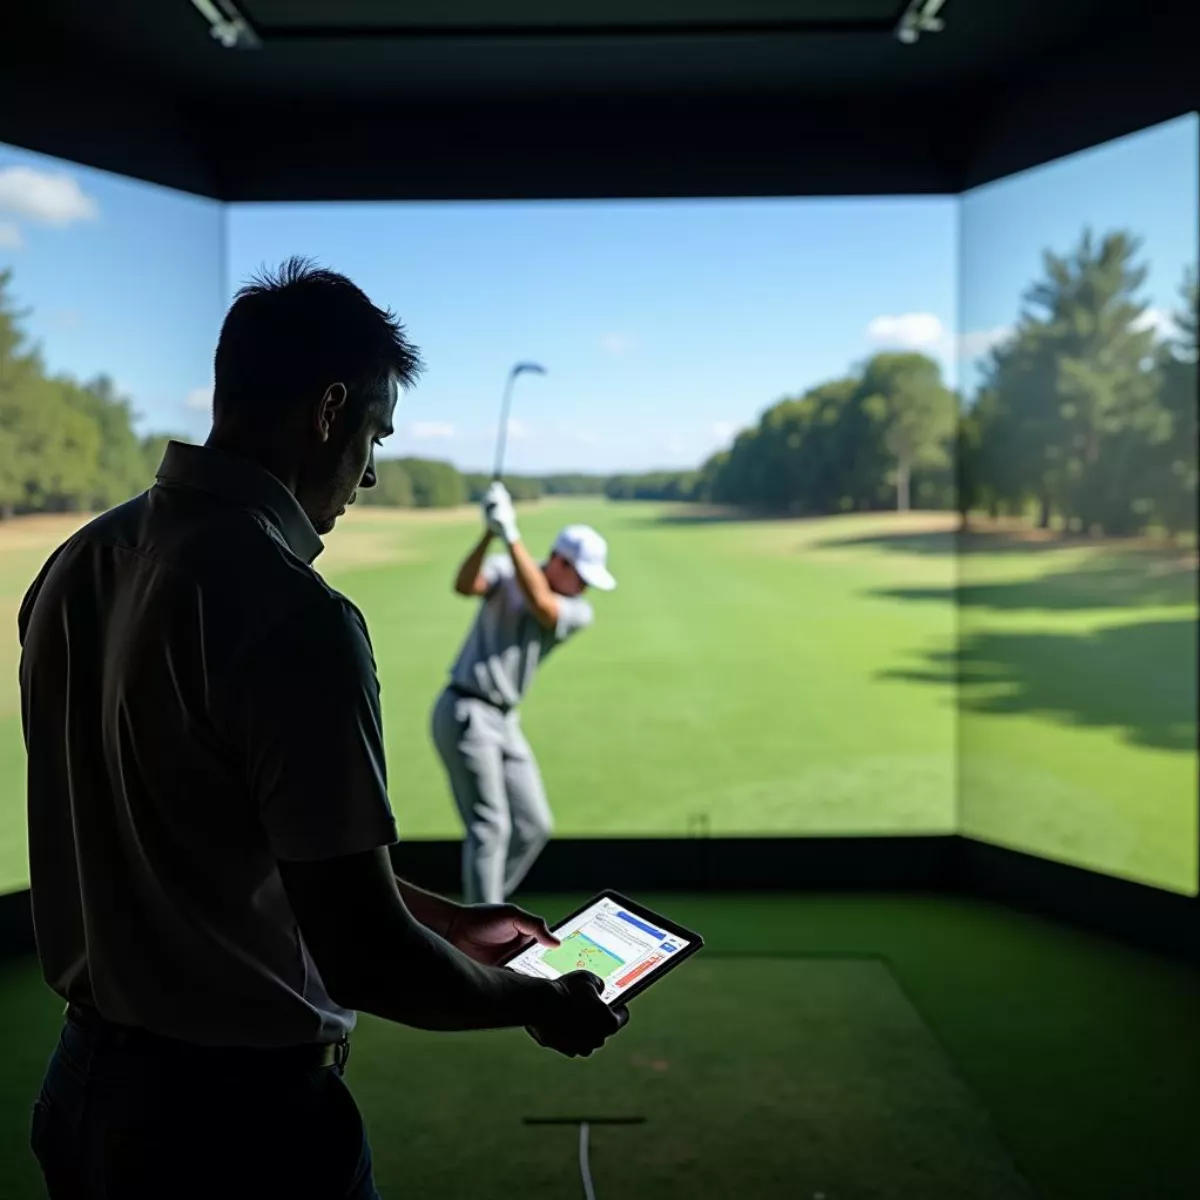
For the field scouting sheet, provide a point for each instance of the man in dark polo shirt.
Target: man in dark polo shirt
(208, 810)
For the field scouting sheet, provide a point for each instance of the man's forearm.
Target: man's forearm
(532, 582)
(473, 564)
(434, 912)
(424, 982)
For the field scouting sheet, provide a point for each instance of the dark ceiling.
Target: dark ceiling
(423, 50)
(443, 98)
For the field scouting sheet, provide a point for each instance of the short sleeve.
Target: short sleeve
(574, 614)
(496, 569)
(313, 730)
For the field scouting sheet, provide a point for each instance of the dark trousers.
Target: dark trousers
(131, 1122)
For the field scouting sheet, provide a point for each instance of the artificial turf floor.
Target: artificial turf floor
(996, 1047)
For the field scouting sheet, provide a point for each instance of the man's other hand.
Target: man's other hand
(489, 932)
(499, 513)
(496, 493)
(580, 1022)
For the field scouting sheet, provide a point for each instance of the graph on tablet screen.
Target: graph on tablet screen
(606, 939)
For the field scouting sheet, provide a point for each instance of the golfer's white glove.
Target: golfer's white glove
(499, 513)
(496, 491)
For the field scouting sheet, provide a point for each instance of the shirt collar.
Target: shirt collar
(244, 483)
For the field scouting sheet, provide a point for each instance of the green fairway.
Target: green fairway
(735, 673)
(1077, 695)
(792, 677)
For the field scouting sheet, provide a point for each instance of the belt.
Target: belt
(467, 694)
(312, 1056)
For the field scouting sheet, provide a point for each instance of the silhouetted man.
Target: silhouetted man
(208, 811)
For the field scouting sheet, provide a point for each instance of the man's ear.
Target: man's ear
(331, 409)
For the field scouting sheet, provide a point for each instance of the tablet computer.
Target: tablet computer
(626, 944)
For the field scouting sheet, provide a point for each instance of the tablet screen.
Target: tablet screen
(608, 940)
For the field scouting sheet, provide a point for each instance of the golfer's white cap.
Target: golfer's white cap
(587, 552)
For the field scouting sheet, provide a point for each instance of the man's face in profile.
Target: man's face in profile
(344, 458)
(563, 578)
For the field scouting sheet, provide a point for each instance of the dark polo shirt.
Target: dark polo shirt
(198, 705)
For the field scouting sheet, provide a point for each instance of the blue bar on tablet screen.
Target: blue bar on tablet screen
(640, 924)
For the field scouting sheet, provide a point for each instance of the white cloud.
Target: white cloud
(977, 342)
(518, 430)
(199, 399)
(907, 331)
(427, 430)
(617, 343)
(10, 236)
(927, 333)
(1162, 323)
(723, 431)
(51, 198)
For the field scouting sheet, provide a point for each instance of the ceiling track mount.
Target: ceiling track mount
(227, 25)
(233, 30)
(921, 16)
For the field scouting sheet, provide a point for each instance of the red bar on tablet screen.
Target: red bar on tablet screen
(639, 970)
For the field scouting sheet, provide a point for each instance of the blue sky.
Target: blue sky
(661, 326)
(664, 326)
(1147, 183)
(121, 277)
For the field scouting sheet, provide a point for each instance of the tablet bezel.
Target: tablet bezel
(673, 928)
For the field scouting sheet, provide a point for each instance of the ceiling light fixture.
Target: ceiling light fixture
(921, 16)
(227, 25)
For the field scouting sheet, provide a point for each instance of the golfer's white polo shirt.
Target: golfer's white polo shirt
(506, 645)
(198, 705)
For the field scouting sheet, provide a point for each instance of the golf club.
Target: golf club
(502, 436)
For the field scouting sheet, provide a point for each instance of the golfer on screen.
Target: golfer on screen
(528, 608)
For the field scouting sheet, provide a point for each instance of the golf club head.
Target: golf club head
(522, 368)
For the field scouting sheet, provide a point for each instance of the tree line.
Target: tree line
(429, 483)
(70, 446)
(882, 437)
(65, 446)
(1084, 418)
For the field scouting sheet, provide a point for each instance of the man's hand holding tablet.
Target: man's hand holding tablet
(570, 1015)
(623, 945)
(580, 1021)
(582, 973)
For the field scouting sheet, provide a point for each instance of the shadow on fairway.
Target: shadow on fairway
(1133, 580)
(679, 513)
(991, 542)
(714, 516)
(1139, 679)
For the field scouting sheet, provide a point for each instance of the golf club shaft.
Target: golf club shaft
(502, 433)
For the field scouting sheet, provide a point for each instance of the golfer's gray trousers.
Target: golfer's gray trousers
(499, 792)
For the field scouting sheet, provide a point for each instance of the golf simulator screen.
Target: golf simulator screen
(899, 494)
(616, 940)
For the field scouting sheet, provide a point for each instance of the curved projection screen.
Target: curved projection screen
(110, 296)
(704, 360)
(1077, 604)
(755, 403)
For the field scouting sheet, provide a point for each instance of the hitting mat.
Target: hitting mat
(753, 1079)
